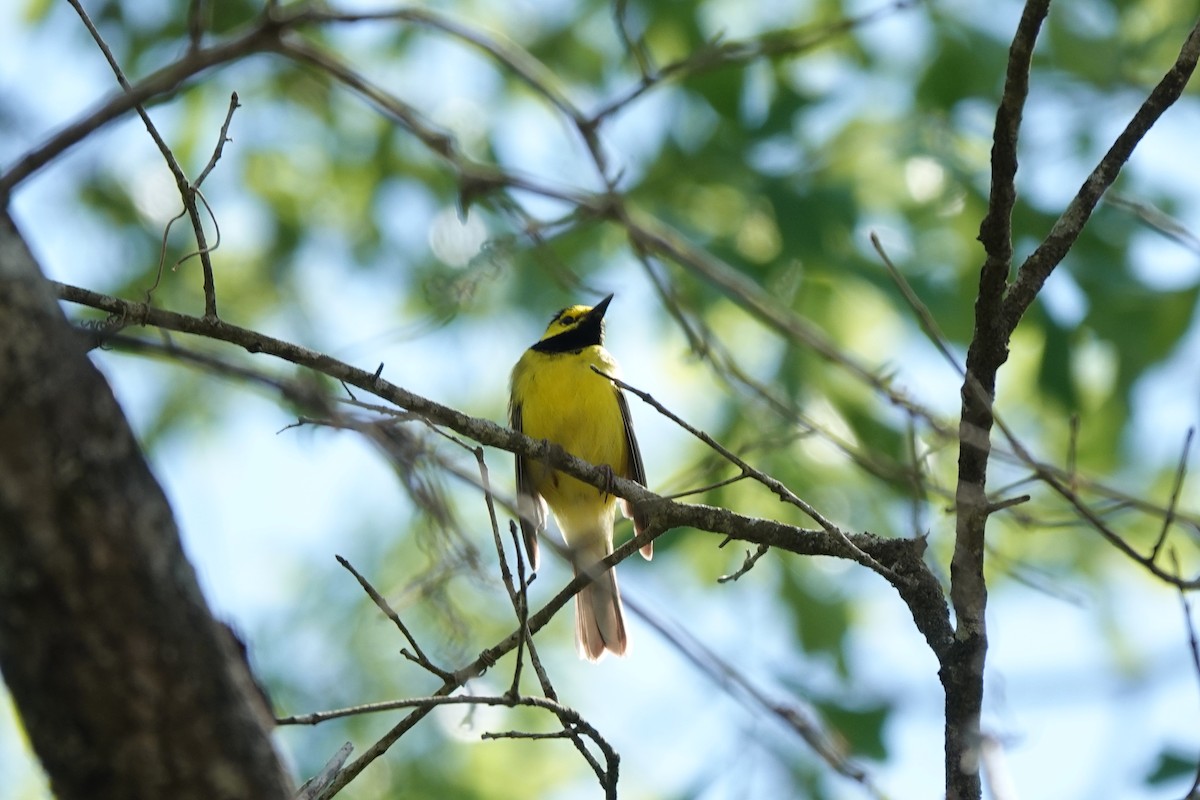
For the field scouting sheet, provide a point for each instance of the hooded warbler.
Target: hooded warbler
(556, 395)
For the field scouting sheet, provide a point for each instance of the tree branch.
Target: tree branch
(962, 673)
(156, 86)
(903, 557)
(1066, 230)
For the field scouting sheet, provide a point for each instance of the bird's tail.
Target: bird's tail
(599, 620)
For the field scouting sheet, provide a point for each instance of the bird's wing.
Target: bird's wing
(531, 509)
(636, 472)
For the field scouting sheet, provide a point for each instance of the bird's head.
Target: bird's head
(574, 328)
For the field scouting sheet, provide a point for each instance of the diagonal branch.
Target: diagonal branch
(739, 52)
(902, 558)
(1066, 230)
(156, 86)
(776, 486)
(187, 190)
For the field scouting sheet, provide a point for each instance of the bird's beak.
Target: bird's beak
(599, 309)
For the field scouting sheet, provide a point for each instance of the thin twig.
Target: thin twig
(741, 476)
(1038, 266)
(738, 52)
(920, 496)
(187, 191)
(655, 236)
(417, 656)
(1156, 219)
(1194, 646)
(793, 713)
(1008, 502)
(1072, 448)
(634, 46)
(776, 486)
(514, 595)
(519, 61)
(162, 254)
(313, 787)
(222, 138)
(928, 324)
(747, 564)
(167, 155)
(203, 248)
(1180, 474)
(1094, 518)
(197, 21)
(259, 38)
(302, 394)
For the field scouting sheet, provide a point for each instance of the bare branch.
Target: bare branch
(1000, 505)
(776, 486)
(747, 565)
(635, 46)
(1064, 489)
(1194, 647)
(995, 232)
(222, 138)
(796, 715)
(1156, 219)
(1066, 230)
(962, 674)
(167, 155)
(1180, 473)
(313, 787)
(188, 192)
(654, 236)
(199, 17)
(533, 73)
(737, 52)
(417, 656)
(262, 37)
(924, 316)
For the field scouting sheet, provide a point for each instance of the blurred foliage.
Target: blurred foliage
(1172, 765)
(781, 167)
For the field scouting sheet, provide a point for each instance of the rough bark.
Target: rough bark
(126, 685)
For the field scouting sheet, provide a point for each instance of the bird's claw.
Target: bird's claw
(610, 481)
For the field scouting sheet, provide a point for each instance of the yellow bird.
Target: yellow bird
(557, 396)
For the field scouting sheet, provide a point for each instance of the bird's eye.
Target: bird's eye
(567, 320)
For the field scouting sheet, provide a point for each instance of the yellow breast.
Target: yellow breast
(564, 401)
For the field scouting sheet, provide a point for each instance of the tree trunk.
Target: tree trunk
(126, 685)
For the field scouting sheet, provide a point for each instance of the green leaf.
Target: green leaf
(821, 619)
(967, 64)
(1171, 766)
(862, 727)
(1054, 374)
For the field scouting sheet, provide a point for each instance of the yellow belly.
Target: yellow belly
(564, 401)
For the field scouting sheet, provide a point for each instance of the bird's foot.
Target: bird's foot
(610, 480)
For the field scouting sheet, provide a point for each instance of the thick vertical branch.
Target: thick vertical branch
(127, 686)
(998, 309)
(962, 669)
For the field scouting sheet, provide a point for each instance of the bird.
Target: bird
(556, 395)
